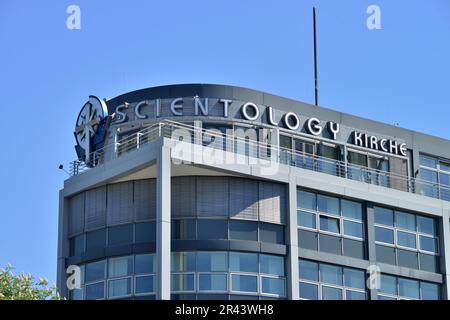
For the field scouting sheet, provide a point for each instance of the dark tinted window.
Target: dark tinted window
(243, 230)
(271, 233)
(212, 229)
(145, 232)
(77, 245)
(120, 234)
(183, 229)
(96, 239)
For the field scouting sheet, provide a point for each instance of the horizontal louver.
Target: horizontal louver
(95, 208)
(272, 202)
(183, 197)
(243, 199)
(120, 203)
(76, 214)
(212, 196)
(145, 199)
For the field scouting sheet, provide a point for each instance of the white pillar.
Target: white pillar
(292, 242)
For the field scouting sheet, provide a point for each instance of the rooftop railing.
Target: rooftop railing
(260, 150)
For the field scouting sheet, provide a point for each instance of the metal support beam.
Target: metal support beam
(292, 242)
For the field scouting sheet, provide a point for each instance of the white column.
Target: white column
(444, 228)
(163, 179)
(292, 242)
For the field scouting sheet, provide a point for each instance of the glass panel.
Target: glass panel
(384, 235)
(96, 239)
(272, 233)
(212, 229)
(243, 262)
(144, 284)
(444, 180)
(384, 216)
(183, 229)
(388, 284)
(243, 230)
(244, 283)
(308, 270)
(354, 229)
(430, 185)
(95, 291)
(145, 232)
(377, 175)
(355, 295)
(120, 234)
(427, 161)
(182, 282)
(306, 219)
(425, 225)
(95, 271)
(77, 245)
(306, 200)
(444, 166)
(120, 267)
(308, 291)
(408, 288)
(357, 164)
(183, 261)
(270, 264)
(212, 261)
(144, 264)
(405, 220)
(354, 278)
(430, 291)
(328, 204)
(329, 293)
(330, 274)
(213, 282)
(428, 244)
(406, 239)
(76, 294)
(329, 224)
(380, 297)
(351, 209)
(273, 286)
(119, 288)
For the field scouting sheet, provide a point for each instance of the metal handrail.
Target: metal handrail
(282, 155)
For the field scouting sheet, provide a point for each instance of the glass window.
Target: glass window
(351, 209)
(182, 282)
(270, 264)
(144, 284)
(328, 204)
(408, 288)
(183, 261)
(329, 224)
(306, 200)
(384, 216)
(388, 284)
(329, 293)
(308, 291)
(384, 235)
(353, 229)
(212, 229)
(183, 229)
(272, 233)
(76, 294)
(95, 271)
(355, 295)
(354, 278)
(120, 267)
(95, 291)
(405, 220)
(243, 230)
(144, 264)
(306, 219)
(430, 291)
(425, 225)
(243, 262)
(330, 274)
(308, 270)
(427, 161)
(120, 234)
(213, 282)
(444, 166)
(405, 239)
(77, 245)
(119, 287)
(145, 232)
(212, 261)
(96, 239)
(428, 244)
(244, 283)
(273, 286)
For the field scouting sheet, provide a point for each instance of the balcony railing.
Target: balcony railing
(260, 150)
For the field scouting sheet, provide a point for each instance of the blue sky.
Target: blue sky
(399, 74)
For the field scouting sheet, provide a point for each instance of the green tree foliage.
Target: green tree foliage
(24, 287)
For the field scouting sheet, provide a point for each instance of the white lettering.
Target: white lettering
(334, 129)
(255, 111)
(288, 118)
(226, 104)
(174, 106)
(313, 126)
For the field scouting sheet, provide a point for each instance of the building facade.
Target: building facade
(217, 192)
